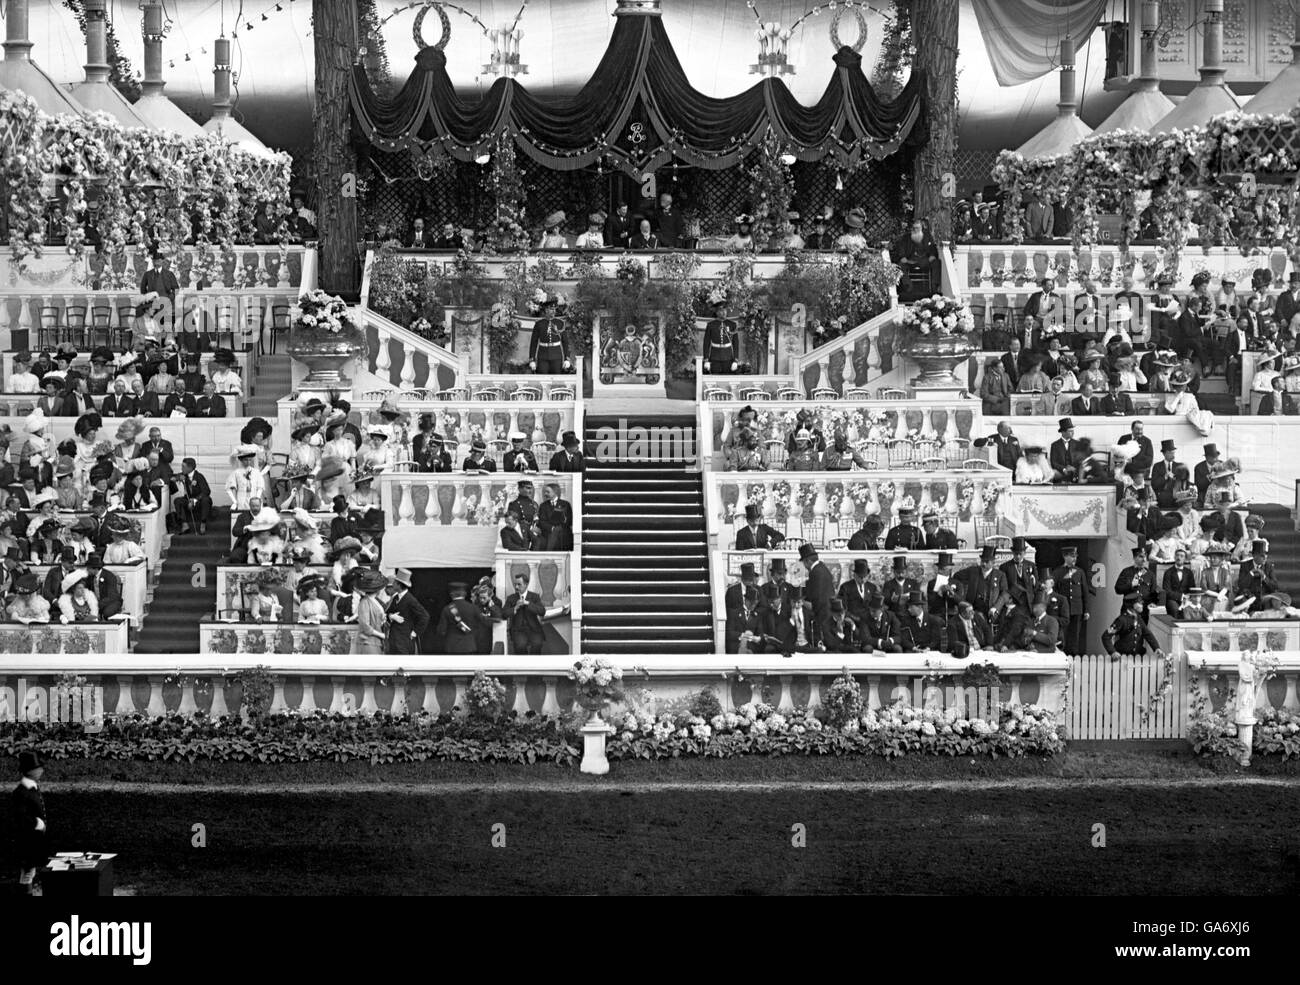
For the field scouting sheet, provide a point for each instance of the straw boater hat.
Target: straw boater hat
(66, 466)
(44, 496)
(244, 451)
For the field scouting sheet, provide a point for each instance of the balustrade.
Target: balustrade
(464, 499)
(1217, 677)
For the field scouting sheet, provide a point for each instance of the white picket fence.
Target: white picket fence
(1107, 698)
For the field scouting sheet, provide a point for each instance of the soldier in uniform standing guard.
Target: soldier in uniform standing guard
(720, 342)
(1073, 585)
(546, 353)
(1127, 634)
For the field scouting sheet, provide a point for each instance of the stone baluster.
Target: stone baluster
(824, 369)
(951, 503)
(873, 497)
(820, 505)
(927, 503)
(561, 579)
(282, 271)
(977, 500)
(928, 431)
(278, 705)
(241, 641)
(188, 705)
(405, 505)
(900, 423)
(383, 358)
(742, 500)
(125, 702)
(950, 432)
(521, 697)
(814, 691)
(399, 696)
(156, 705)
(539, 433)
(786, 703)
(24, 323)
(1015, 690)
(1290, 702)
(218, 706)
(726, 430)
(551, 703)
(458, 511)
(431, 696)
(873, 360)
(257, 273)
(986, 267)
(336, 696)
(847, 508)
(850, 371)
(896, 505)
(769, 502)
(873, 692)
(534, 578)
(307, 703)
(1008, 276)
(459, 701)
(988, 308)
(4, 314)
(1094, 264)
(408, 367)
(546, 387)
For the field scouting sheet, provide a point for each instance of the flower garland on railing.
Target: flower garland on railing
(145, 185)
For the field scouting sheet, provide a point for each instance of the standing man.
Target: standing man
(819, 589)
(668, 223)
(778, 597)
(1138, 578)
(1061, 456)
(1074, 586)
(460, 621)
(159, 287)
(524, 611)
(407, 618)
(27, 807)
(1201, 474)
(419, 239)
(546, 351)
(1163, 471)
(619, 228)
(1146, 455)
(193, 504)
(942, 592)
(1022, 578)
(986, 586)
(720, 342)
(1127, 634)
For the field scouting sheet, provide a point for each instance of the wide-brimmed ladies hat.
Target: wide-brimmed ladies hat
(117, 525)
(1179, 378)
(344, 544)
(268, 518)
(309, 581)
(856, 218)
(26, 584)
(304, 433)
(243, 451)
(43, 497)
(389, 409)
(330, 468)
(71, 579)
(744, 219)
(303, 521)
(370, 581)
(556, 218)
(36, 422)
(66, 467)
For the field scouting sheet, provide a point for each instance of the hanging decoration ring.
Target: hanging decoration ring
(417, 31)
(862, 28)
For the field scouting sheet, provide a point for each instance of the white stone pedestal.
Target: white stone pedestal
(593, 747)
(928, 393)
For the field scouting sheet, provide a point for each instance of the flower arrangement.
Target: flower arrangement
(323, 317)
(718, 295)
(630, 269)
(598, 682)
(937, 316)
(541, 297)
(485, 697)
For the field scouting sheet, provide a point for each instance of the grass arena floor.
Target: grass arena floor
(1173, 824)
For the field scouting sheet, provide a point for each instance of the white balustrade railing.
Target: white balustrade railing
(46, 641)
(814, 506)
(462, 499)
(276, 639)
(814, 368)
(1217, 678)
(135, 587)
(551, 575)
(942, 429)
(392, 352)
(208, 682)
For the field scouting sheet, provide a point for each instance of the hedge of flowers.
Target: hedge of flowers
(1277, 732)
(153, 188)
(1192, 176)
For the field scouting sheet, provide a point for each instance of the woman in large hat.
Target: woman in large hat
(46, 544)
(266, 605)
(305, 446)
(343, 560)
(224, 374)
(123, 549)
(372, 625)
(306, 536)
(76, 602)
(267, 546)
(552, 238)
(852, 238)
(312, 608)
(332, 477)
(594, 237)
(127, 437)
(743, 238)
(28, 605)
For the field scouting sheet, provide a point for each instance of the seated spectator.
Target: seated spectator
(1032, 469)
(519, 458)
(266, 605)
(105, 586)
(841, 457)
(312, 609)
(76, 603)
(554, 521)
(593, 238)
(749, 457)
(28, 605)
(306, 536)
(805, 457)
(266, 547)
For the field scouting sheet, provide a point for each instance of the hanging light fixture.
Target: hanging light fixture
(483, 158)
(788, 159)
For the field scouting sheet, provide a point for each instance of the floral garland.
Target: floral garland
(1070, 520)
(771, 186)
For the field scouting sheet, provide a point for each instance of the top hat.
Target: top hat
(945, 559)
(570, 440)
(747, 570)
(861, 567)
(807, 552)
(777, 567)
(1018, 545)
(988, 552)
(1064, 425)
(753, 511)
(402, 576)
(29, 762)
(1168, 445)
(916, 598)
(900, 562)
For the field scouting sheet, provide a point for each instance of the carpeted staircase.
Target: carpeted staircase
(1283, 546)
(271, 382)
(645, 568)
(172, 623)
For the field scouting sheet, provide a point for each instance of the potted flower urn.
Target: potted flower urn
(933, 333)
(598, 682)
(324, 337)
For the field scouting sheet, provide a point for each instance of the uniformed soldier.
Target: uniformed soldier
(460, 621)
(868, 538)
(1127, 634)
(27, 807)
(1076, 588)
(899, 587)
(720, 343)
(907, 536)
(519, 458)
(756, 535)
(1057, 605)
(1138, 577)
(546, 352)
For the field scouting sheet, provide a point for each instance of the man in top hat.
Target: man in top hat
(459, 621)
(1138, 577)
(868, 537)
(917, 631)
(1201, 474)
(756, 535)
(519, 458)
(28, 820)
(747, 624)
(23, 379)
(547, 353)
(720, 342)
(1021, 575)
(1128, 634)
(569, 458)
(943, 591)
(1288, 302)
(734, 593)
(1277, 402)
(1063, 454)
(820, 238)
(159, 287)
(968, 631)
(905, 536)
(1162, 472)
(899, 586)
(1256, 578)
(1177, 582)
(524, 611)
(856, 591)
(193, 504)
(105, 585)
(984, 585)
(668, 223)
(407, 618)
(935, 537)
(478, 460)
(619, 227)
(782, 607)
(818, 590)
(840, 633)
(1075, 588)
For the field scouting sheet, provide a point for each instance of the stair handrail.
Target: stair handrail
(846, 343)
(389, 330)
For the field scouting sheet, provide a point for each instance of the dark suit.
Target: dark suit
(184, 401)
(1117, 404)
(513, 540)
(107, 588)
(904, 537)
(1145, 457)
(459, 625)
(1161, 473)
(404, 636)
(114, 406)
(841, 636)
(1267, 402)
(562, 461)
(1061, 457)
(780, 609)
(618, 231)
(942, 539)
(881, 632)
(917, 634)
(1176, 584)
(525, 623)
(555, 526)
(742, 621)
(762, 538)
(855, 598)
(1257, 581)
(485, 465)
(985, 592)
(213, 406)
(818, 591)
(422, 240)
(1043, 634)
(961, 642)
(668, 225)
(1201, 477)
(1022, 581)
(895, 593)
(1132, 580)
(31, 846)
(1073, 584)
(1127, 634)
(1082, 406)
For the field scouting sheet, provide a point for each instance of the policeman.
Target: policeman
(1073, 586)
(1127, 634)
(1138, 577)
(907, 536)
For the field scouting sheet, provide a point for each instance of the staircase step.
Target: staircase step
(658, 602)
(616, 648)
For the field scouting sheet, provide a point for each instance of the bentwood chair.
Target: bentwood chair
(280, 323)
(789, 393)
(47, 333)
(101, 326)
(825, 393)
(74, 325)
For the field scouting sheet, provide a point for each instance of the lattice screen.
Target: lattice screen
(972, 168)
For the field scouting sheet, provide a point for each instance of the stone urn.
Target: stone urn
(326, 360)
(937, 356)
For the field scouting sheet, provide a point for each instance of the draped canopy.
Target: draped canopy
(637, 112)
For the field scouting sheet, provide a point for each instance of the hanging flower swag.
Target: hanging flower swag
(132, 187)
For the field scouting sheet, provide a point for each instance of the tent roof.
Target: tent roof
(100, 97)
(1142, 110)
(1282, 95)
(234, 132)
(25, 76)
(1058, 137)
(1199, 107)
(159, 112)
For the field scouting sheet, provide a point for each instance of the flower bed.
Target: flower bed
(754, 729)
(1277, 732)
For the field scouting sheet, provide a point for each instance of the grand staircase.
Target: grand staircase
(645, 568)
(1283, 545)
(172, 623)
(271, 383)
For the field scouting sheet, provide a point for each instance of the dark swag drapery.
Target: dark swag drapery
(638, 80)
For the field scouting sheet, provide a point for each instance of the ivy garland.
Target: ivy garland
(120, 71)
(771, 187)
(378, 69)
(895, 51)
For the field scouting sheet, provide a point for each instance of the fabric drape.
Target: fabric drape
(1023, 37)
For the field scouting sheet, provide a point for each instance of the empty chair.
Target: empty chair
(47, 334)
(526, 393)
(858, 393)
(891, 393)
(101, 326)
(928, 448)
(901, 452)
(280, 322)
(488, 393)
(838, 544)
(716, 393)
(789, 393)
(756, 393)
(454, 393)
(74, 325)
(825, 393)
(775, 452)
(956, 450)
(124, 327)
(377, 394)
(225, 319)
(561, 393)
(497, 449)
(542, 451)
(933, 463)
(977, 465)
